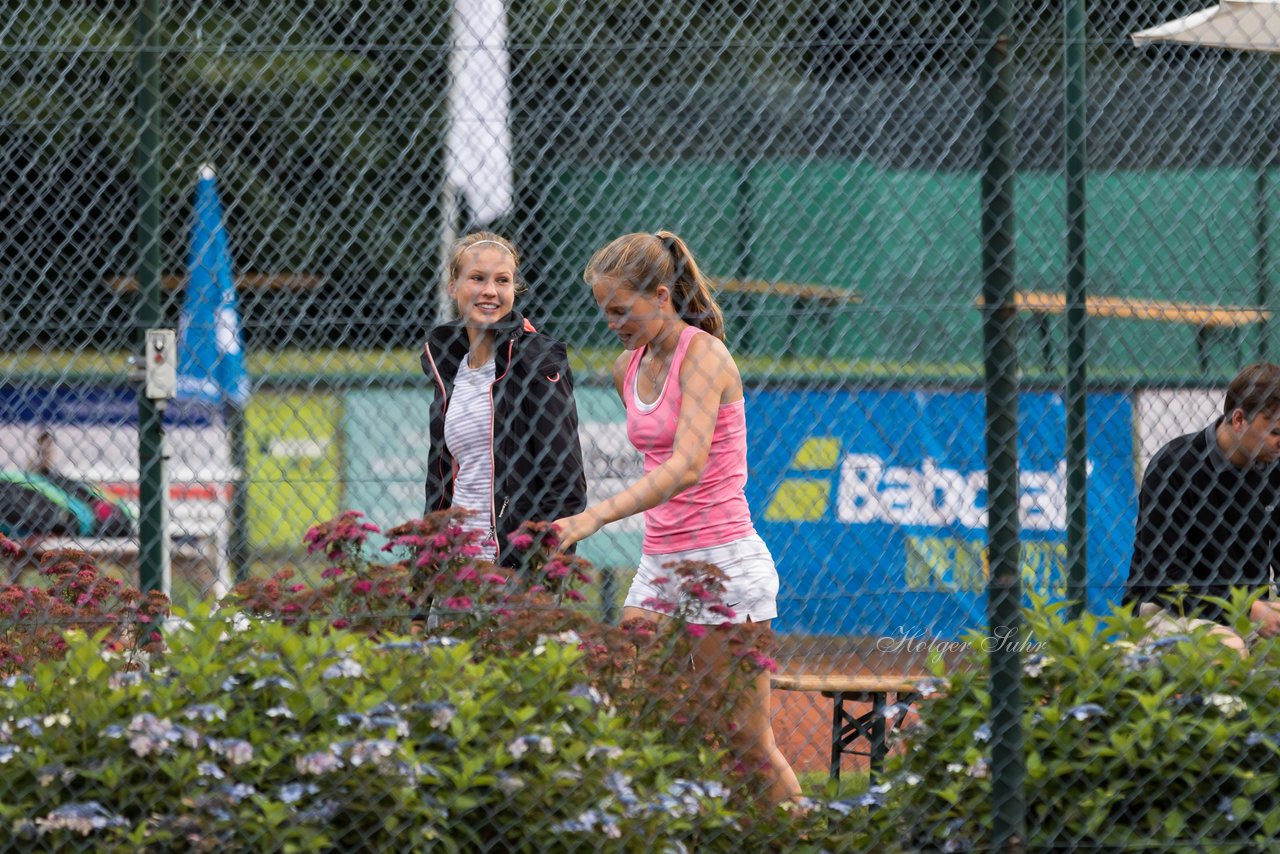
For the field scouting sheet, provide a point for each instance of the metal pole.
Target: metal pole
(1262, 213)
(608, 596)
(238, 547)
(151, 497)
(1000, 369)
(1074, 107)
(745, 335)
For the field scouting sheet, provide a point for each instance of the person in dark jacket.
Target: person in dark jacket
(1208, 519)
(504, 425)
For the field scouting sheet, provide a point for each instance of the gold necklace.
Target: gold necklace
(654, 371)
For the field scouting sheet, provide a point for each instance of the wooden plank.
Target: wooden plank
(796, 290)
(844, 683)
(1132, 308)
(244, 281)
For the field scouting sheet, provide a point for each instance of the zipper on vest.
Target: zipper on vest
(493, 528)
(494, 517)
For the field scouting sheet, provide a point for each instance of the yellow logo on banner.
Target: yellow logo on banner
(806, 499)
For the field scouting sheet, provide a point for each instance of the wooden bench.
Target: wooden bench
(1208, 319)
(798, 291)
(243, 281)
(801, 297)
(847, 728)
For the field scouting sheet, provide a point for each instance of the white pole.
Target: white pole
(448, 237)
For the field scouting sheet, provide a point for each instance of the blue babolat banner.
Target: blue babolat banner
(876, 509)
(92, 405)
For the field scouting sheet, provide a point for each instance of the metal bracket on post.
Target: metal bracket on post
(157, 376)
(161, 368)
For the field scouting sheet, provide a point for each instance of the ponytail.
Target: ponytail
(690, 289)
(647, 261)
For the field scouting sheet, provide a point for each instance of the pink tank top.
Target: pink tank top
(714, 510)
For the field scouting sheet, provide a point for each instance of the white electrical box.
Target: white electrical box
(162, 364)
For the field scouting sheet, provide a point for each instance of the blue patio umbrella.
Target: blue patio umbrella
(210, 345)
(211, 348)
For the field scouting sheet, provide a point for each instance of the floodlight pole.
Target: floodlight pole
(1000, 371)
(151, 488)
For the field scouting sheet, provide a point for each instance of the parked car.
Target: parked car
(33, 505)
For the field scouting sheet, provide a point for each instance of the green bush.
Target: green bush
(1129, 741)
(442, 586)
(435, 703)
(262, 738)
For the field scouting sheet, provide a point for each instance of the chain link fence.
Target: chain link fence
(823, 161)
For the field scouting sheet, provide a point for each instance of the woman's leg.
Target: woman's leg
(752, 735)
(752, 723)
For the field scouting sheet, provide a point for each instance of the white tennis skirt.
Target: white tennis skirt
(751, 590)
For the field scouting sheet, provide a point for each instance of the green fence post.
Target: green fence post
(151, 526)
(1000, 370)
(1263, 151)
(1074, 107)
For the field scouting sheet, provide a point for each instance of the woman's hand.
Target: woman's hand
(574, 529)
(1266, 614)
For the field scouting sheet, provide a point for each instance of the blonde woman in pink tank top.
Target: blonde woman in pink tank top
(686, 415)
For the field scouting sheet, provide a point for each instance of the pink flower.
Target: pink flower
(297, 588)
(493, 578)
(458, 603)
(362, 586)
(660, 605)
(340, 623)
(695, 630)
(467, 573)
(575, 596)
(722, 611)
(332, 572)
(699, 592)
(522, 542)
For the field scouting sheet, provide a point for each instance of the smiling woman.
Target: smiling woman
(504, 426)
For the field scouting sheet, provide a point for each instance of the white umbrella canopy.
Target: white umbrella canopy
(1239, 24)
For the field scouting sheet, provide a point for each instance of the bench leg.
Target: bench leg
(878, 747)
(1046, 342)
(837, 733)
